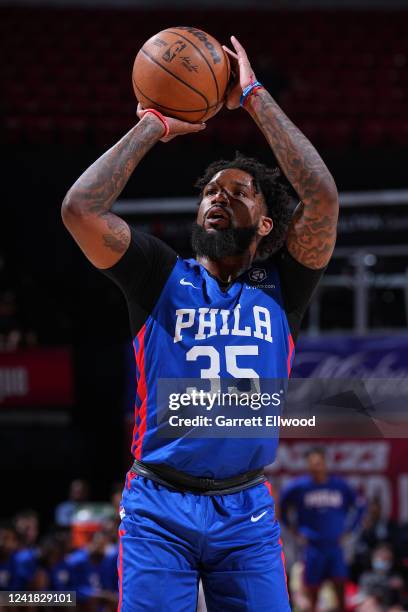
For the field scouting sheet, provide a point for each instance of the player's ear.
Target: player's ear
(265, 226)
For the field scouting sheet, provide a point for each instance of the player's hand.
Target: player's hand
(244, 75)
(176, 127)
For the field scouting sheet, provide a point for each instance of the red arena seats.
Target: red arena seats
(341, 76)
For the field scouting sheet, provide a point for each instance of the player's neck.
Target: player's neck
(320, 478)
(228, 268)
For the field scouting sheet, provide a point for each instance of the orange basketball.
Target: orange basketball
(182, 72)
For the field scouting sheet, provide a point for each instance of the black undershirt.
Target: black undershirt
(147, 264)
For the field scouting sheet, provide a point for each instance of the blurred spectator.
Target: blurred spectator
(326, 508)
(93, 571)
(375, 530)
(54, 574)
(382, 583)
(27, 527)
(26, 558)
(116, 496)
(78, 494)
(18, 567)
(8, 548)
(111, 531)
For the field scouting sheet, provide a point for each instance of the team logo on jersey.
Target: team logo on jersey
(257, 274)
(255, 519)
(187, 283)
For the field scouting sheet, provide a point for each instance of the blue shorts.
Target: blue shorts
(324, 562)
(169, 540)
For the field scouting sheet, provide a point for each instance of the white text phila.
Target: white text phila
(208, 322)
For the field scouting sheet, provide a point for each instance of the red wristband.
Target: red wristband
(162, 119)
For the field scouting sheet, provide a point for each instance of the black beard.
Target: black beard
(221, 243)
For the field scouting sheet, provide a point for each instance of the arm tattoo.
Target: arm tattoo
(117, 239)
(312, 232)
(95, 192)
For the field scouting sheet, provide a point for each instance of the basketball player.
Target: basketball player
(327, 508)
(195, 506)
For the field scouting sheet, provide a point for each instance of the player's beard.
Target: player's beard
(221, 243)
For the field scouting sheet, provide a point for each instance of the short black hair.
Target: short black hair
(316, 450)
(26, 513)
(276, 191)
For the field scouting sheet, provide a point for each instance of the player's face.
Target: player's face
(8, 541)
(317, 465)
(230, 200)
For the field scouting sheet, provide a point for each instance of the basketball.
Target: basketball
(182, 72)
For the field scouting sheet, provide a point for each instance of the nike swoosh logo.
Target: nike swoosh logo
(184, 282)
(255, 519)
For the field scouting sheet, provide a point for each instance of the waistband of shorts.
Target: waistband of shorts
(180, 481)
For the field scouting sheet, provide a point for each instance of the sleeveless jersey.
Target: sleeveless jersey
(197, 330)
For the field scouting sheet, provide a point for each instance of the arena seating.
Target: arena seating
(341, 76)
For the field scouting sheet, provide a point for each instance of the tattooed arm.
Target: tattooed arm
(86, 210)
(312, 233)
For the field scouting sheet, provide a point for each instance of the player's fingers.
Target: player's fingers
(140, 112)
(237, 45)
(178, 128)
(230, 53)
(183, 127)
(195, 127)
(241, 53)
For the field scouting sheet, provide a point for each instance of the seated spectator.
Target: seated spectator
(8, 548)
(26, 557)
(93, 571)
(375, 530)
(78, 494)
(17, 567)
(27, 527)
(382, 583)
(54, 574)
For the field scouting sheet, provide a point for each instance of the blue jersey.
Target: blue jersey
(324, 511)
(87, 577)
(194, 328)
(8, 574)
(18, 570)
(59, 577)
(197, 331)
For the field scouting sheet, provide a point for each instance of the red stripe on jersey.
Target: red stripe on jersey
(290, 355)
(135, 411)
(120, 568)
(284, 564)
(129, 477)
(142, 392)
(269, 487)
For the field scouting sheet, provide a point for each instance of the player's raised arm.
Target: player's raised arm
(86, 209)
(312, 233)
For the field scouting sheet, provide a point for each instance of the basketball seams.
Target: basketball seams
(228, 66)
(175, 110)
(154, 61)
(204, 58)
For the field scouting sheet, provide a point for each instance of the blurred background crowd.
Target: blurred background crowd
(78, 549)
(339, 69)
